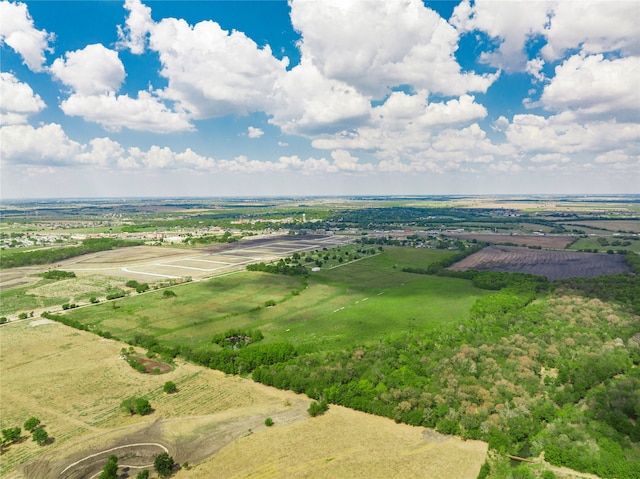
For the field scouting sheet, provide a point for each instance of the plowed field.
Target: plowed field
(552, 264)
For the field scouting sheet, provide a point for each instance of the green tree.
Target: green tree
(268, 422)
(143, 474)
(134, 405)
(40, 437)
(110, 470)
(10, 434)
(170, 387)
(142, 406)
(31, 423)
(163, 464)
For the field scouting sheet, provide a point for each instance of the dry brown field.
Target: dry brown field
(158, 263)
(75, 381)
(552, 264)
(550, 242)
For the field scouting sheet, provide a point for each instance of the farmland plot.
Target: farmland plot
(552, 264)
(74, 382)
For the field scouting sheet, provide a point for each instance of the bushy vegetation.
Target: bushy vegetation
(279, 268)
(237, 338)
(517, 375)
(56, 274)
(316, 408)
(136, 405)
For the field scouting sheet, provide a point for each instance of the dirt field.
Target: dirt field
(153, 263)
(74, 383)
(550, 242)
(552, 264)
(97, 272)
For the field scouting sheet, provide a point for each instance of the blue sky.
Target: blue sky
(321, 97)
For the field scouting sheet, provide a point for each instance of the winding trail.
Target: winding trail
(90, 456)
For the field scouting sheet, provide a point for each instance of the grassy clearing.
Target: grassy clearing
(198, 311)
(350, 304)
(47, 293)
(592, 243)
(18, 299)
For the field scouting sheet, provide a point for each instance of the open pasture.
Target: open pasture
(549, 242)
(97, 273)
(614, 226)
(552, 264)
(74, 382)
(355, 302)
(198, 310)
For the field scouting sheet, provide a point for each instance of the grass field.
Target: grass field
(74, 381)
(353, 303)
(592, 243)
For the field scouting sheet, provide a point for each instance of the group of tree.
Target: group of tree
(139, 287)
(237, 338)
(57, 274)
(242, 360)
(136, 405)
(32, 425)
(281, 267)
(163, 465)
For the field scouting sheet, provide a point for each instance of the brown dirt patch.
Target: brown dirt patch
(151, 365)
(550, 242)
(552, 264)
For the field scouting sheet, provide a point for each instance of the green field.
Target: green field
(354, 303)
(592, 243)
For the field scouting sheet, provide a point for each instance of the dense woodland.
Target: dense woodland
(524, 374)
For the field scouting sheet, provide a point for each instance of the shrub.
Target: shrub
(170, 387)
(317, 408)
(168, 293)
(268, 422)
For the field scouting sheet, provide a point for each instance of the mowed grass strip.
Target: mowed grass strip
(357, 302)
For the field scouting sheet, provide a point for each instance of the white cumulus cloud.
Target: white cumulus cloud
(45, 144)
(18, 31)
(512, 23)
(92, 70)
(113, 112)
(594, 86)
(594, 26)
(376, 44)
(18, 100)
(253, 132)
